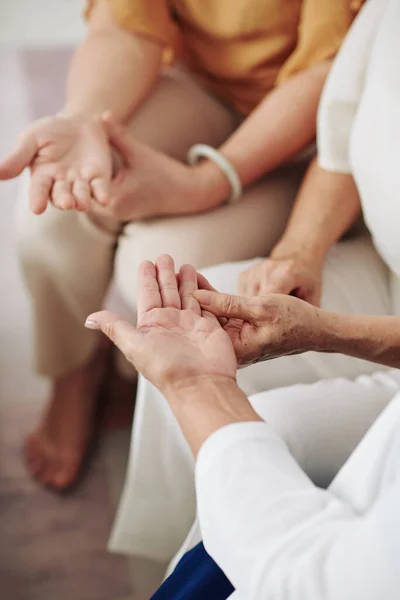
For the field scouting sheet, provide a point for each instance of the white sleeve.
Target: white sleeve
(343, 89)
(277, 536)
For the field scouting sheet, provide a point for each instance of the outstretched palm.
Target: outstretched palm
(70, 161)
(174, 340)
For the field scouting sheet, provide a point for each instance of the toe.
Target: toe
(65, 473)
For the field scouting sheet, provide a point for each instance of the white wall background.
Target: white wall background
(41, 23)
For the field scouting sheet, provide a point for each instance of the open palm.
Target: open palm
(70, 162)
(174, 340)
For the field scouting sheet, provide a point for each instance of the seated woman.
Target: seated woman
(322, 423)
(270, 529)
(247, 78)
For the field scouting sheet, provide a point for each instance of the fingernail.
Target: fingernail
(203, 296)
(90, 324)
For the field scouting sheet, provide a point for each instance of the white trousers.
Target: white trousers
(329, 403)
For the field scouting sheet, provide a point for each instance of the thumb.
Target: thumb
(118, 137)
(124, 335)
(20, 158)
(204, 284)
(225, 305)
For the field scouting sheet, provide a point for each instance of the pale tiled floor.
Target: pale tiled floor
(50, 547)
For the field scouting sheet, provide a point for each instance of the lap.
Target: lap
(179, 113)
(323, 422)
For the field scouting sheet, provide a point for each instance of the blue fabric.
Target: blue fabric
(196, 577)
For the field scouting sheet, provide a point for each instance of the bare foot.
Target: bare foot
(56, 449)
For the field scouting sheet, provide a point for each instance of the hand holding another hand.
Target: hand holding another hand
(185, 334)
(264, 327)
(148, 183)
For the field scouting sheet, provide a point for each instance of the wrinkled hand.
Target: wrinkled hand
(263, 328)
(70, 162)
(297, 276)
(174, 341)
(148, 183)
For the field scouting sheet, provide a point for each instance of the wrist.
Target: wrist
(211, 185)
(216, 395)
(206, 403)
(71, 111)
(190, 386)
(341, 333)
(301, 250)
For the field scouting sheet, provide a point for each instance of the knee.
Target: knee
(32, 238)
(126, 266)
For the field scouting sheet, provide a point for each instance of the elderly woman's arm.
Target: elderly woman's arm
(326, 206)
(328, 201)
(276, 535)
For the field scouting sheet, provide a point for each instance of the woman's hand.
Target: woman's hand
(70, 162)
(261, 328)
(175, 341)
(296, 276)
(150, 183)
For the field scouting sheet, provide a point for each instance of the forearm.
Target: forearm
(112, 69)
(206, 404)
(372, 338)
(326, 206)
(280, 127)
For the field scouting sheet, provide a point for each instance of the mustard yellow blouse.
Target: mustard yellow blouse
(241, 49)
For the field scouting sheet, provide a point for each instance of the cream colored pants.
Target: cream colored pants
(68, 261)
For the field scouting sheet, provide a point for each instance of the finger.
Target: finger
(278, 280)
(61, 195)
(187, 286)
(242, 283)
(20, 158)
(82, 193)
(204, 284)
(100, 190)
(126, 337)
(225, 305)
(101, 211)
(253, 282)
(39, 193)
(167, 282)
(118, 137)
(148, 294)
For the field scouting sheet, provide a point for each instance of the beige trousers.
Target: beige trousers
(68, 261)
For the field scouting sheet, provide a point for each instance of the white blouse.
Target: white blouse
(279, 537)
(273, 532)
(359, 121)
